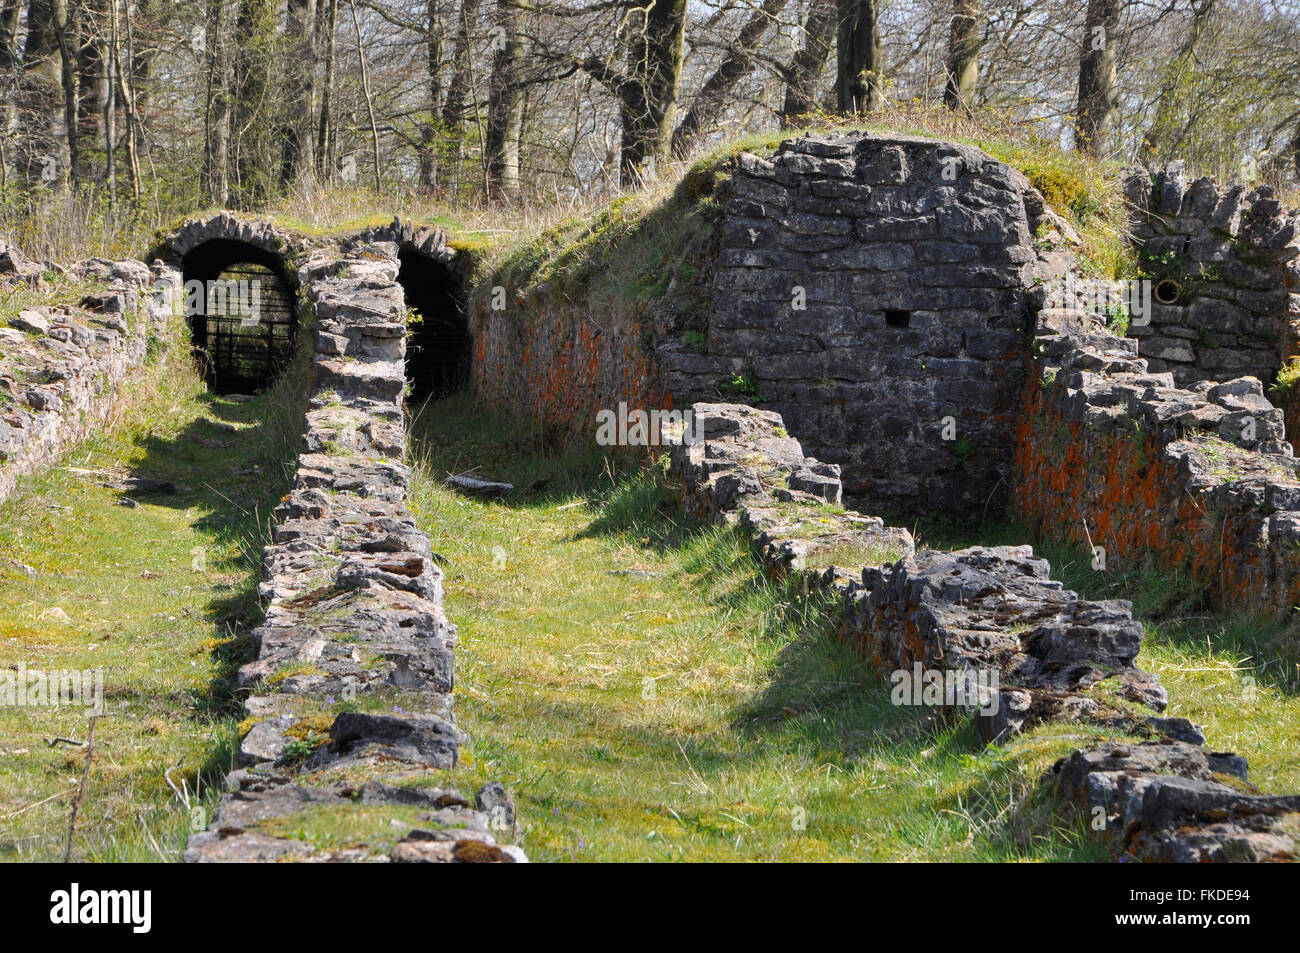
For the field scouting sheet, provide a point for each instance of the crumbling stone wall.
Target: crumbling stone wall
(60, 365)
(1059, 657)
(979, 610)
(353, 677)
(875, 288)
(1197, 481)
(1225, 259)
(871, 289)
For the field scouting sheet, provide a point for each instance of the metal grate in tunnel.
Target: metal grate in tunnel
(246, 327)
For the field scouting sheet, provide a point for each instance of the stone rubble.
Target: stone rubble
(60, 364)
(1058, 657)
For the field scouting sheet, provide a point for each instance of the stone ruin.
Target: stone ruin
(355, 645)
(1059, 657)
(887, 296)
(1223, 261)
(60, 365)
(877, 288)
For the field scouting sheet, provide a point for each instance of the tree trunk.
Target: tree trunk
(708, 105)
(656, 49)
(365, 89)
(326, 27)
(90, 87)
(11, 12)
(216, 159)
(68, 78)
(254, 54)
(1097, 86)
(506, 103)
(963, 55)
(859, 80)
(453, 110)
(298, 108)
(806, 68)
(41, 99)
(1153, 138)
(428, 150)
(110, 105)
(123, 67)
(10, 16)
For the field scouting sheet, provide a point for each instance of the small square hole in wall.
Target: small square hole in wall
(895, 318)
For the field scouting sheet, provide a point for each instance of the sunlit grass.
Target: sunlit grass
(647, 697)
(160, 596)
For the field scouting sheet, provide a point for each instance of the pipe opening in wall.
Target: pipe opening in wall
(438, 349)
(239, 302)
(1167, 291)
(895, 318)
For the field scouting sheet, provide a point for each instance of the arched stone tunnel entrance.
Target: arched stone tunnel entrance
(240, 306)
(438, 350)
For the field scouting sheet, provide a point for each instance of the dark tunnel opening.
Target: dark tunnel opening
(438, 350)
(240, 304)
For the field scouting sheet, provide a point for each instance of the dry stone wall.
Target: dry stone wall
(1198, 481)
(350, 700)
(1224, 264)
(875, 290)
(60, 365)
(994, 609)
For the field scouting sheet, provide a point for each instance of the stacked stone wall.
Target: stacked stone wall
(350, 698)
(873, 290)
(1224, 261)
(1158, 796)
(61, 365)
(1196, 481)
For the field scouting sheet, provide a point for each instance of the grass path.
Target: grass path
(158, 596)
(646, 697)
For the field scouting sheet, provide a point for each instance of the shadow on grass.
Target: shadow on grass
(232, 481)
(818, 698)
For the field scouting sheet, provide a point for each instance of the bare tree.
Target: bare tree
(806, 68)
(1097, 80)
(297, 108)
(506, 101)
(713, 97)
(859, 76)
(963, 55)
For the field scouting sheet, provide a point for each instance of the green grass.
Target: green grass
(1235, 674)
(646, 696)
(161, 596)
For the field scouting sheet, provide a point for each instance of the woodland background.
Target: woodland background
(119, 115)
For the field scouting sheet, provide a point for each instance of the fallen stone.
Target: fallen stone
(32, 321)
(477, 487)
